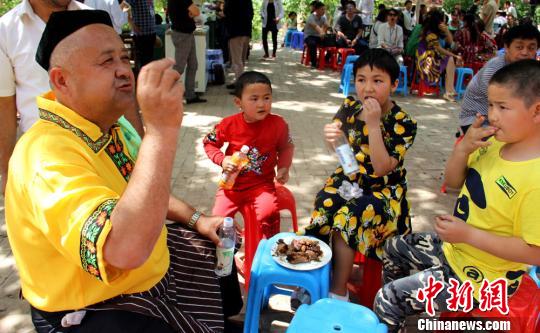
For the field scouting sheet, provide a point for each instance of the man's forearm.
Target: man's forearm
(179, 211)
(139, 215)
(8, 134)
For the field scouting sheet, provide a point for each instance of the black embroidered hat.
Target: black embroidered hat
(62, 24)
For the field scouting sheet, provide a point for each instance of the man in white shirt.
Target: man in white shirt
(390, 36)
(407, 17)
(365, 10)
(510, 9)
(489, 9)
(118, 16)
(22, 78)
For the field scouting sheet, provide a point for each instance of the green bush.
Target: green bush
(302, 8)
(6, 5)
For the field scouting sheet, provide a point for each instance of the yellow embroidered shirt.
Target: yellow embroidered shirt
(500, 197)
(65, 177)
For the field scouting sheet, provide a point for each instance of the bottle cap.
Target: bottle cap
(228, 222)
(244, 149)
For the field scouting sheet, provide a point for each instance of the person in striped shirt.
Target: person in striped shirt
(520, 42)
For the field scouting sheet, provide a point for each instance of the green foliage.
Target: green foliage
(448, 5)
(256, 30)
(302, 8)
(6, 5)
(522, 8)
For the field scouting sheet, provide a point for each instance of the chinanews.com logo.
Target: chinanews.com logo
(491, 296)
(435, 325)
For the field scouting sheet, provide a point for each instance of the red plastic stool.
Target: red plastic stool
(408, 61)
(476, 66)
(524, 305)
(344, 53)
(323, 51)
(306, 59)
(286, 201)
(252, 232)
(371, 280)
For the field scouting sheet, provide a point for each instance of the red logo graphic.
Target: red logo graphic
(493, 295)
(460, 296)
(428, 293)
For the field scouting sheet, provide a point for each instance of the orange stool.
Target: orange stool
(371, 280)
(524, 305)
(252, 232)
(323, 51)
(344, 53)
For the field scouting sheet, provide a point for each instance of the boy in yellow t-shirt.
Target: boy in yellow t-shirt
(495, 229)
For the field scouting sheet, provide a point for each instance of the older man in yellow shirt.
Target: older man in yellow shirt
(82, 235)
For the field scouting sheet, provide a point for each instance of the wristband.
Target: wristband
(194, 218)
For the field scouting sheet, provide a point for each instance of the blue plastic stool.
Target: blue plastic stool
(213, 56)
(265, 273)
(330, 315)
(402, 84)
(534, 272)
(288, 36)
(346, 77)
(347, 74)
(297, 40)
(460, 81)
(351, 59)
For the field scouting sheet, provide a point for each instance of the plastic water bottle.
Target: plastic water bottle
(346, 155)
(225, 252)
(239, 159)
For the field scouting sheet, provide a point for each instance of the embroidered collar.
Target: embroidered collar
(52, 111)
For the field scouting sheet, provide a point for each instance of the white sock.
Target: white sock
(339, 297)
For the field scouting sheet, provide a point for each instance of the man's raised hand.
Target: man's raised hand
(160, 93)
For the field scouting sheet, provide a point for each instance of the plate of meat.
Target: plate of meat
(301, 253)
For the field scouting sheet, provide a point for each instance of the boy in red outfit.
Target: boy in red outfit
(270, 143)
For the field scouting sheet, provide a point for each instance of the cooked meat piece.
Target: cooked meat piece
(299, 250)
(312, 255)
(297, 258)
(281, 249)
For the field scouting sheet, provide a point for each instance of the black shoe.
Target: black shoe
(195, 99)
(231, 86)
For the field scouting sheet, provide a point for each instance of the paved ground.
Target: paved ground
(307, 99)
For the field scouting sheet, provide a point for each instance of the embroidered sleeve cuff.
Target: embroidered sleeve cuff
(93, 235)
